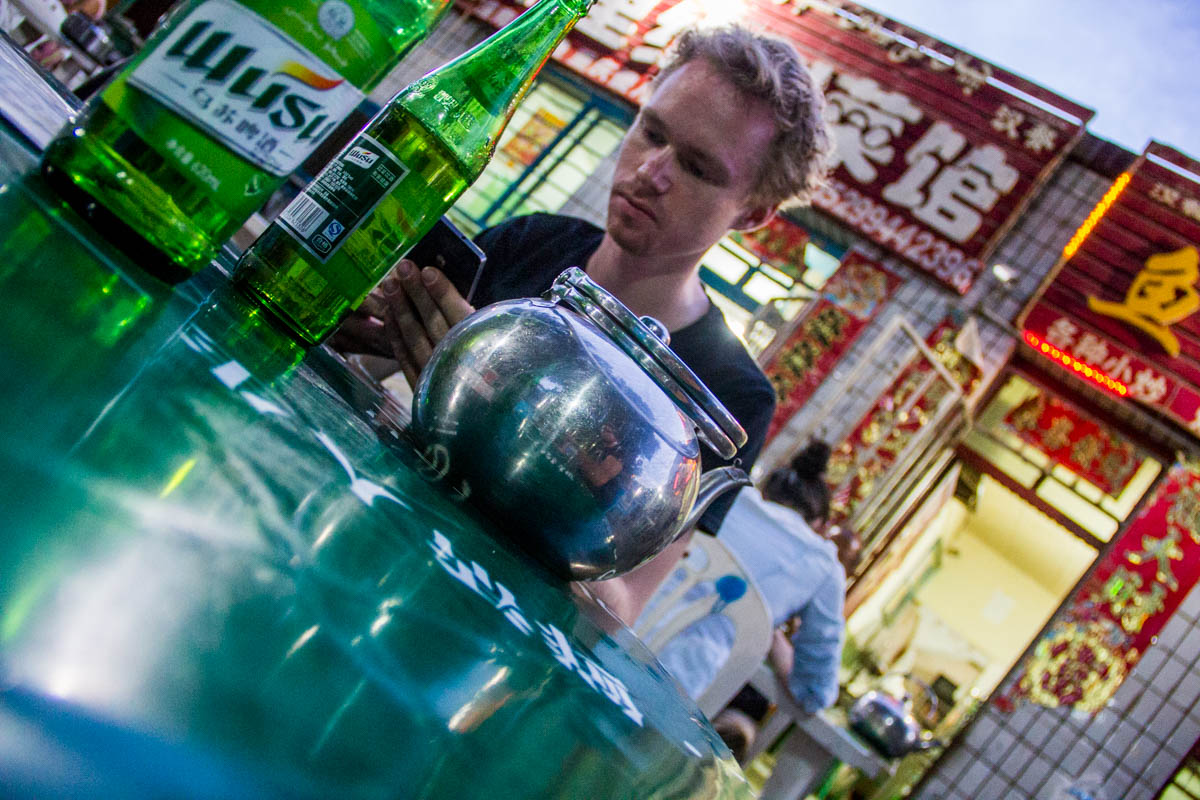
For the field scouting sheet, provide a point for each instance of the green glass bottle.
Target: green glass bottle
(385, 190)
(223, 103)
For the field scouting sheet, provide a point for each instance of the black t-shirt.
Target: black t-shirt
(526, 254)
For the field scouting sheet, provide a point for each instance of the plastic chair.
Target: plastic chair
(709, 579)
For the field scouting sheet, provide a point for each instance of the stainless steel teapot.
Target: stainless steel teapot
(571, 424)
(889, 725)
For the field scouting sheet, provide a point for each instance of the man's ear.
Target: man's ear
(754, 217)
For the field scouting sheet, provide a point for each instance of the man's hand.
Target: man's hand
(405, 317)
(781, 655)
(362, 332)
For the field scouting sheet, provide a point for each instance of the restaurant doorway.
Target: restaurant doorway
(977, 585)
(1037, 487)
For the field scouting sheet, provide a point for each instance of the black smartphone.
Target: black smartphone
(449, 249)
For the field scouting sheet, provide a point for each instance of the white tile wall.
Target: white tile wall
(1145, 709)
(1018, 758)
(935, 788)
(1184, 736)
(1189, 649)
(973, 778)
(996, 750)
(995, 788)
(1120, 782)
(1059, 744)
(1079, 757)
(1132, 747)
(1188, 689)
(1035, 775)
(981, 733)
(1190, 608)
(1039, 731)
(1171, 672)
(1161, 768)
(1101, 764)
(1100, 726)
(1173, 632)
(954, 764)
(1168, 716)
(1151, 661)
(1123, 737)
(1138, 755)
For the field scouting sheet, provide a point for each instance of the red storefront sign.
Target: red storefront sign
(1096, 639)
(618, 44)
(899, 414)
(936, 154)
(1121, 307)
(850, 300)
(780, 243)
(937, 151)
(1078, 443)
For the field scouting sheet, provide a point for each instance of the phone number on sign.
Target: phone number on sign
(944, 261)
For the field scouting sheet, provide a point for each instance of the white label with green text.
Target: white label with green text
(246, 84)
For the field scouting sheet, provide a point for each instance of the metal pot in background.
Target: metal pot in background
(889, 725)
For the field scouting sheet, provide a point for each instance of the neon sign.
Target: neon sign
(1099, 211)
(1078, 367)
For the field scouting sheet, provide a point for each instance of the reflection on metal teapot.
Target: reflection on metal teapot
(576, 428)
(889, 725)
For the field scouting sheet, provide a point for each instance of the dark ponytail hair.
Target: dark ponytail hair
(801, 484)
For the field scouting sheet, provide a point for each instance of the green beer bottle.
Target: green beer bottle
(225, 101)
(387, 188)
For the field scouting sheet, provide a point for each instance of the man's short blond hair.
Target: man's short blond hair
(769, 69)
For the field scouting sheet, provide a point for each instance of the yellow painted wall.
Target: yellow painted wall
(985, 598)
(1027, 537)
(945, 525)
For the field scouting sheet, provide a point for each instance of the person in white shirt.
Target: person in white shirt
(800, 575)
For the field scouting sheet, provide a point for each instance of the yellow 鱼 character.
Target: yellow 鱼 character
(1162, 294)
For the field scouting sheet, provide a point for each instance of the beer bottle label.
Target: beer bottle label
(247, 85)
(342, 196)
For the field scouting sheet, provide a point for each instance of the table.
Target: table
(816, 743)
(226, 572)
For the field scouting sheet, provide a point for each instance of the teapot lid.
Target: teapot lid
(715, 426)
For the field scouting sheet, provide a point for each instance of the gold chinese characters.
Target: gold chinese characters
(1161, 294)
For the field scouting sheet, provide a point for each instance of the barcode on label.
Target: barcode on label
(304, 215)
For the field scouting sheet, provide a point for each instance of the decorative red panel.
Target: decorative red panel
(1115, 615)
(937, 150)
(1074, 440)
(899, 414)
(852, 297)
(1123, 301)
(780, 243)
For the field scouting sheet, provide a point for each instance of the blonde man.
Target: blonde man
(731, 130)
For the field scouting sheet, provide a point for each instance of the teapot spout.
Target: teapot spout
(713, 484)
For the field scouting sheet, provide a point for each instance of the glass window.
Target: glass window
(552, 157)
(1056, 462)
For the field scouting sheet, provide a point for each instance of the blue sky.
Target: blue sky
(1136, 62)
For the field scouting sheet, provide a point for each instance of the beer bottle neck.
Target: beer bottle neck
(468, 101)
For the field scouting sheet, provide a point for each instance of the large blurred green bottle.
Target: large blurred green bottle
(386, 189)
(224, 102)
